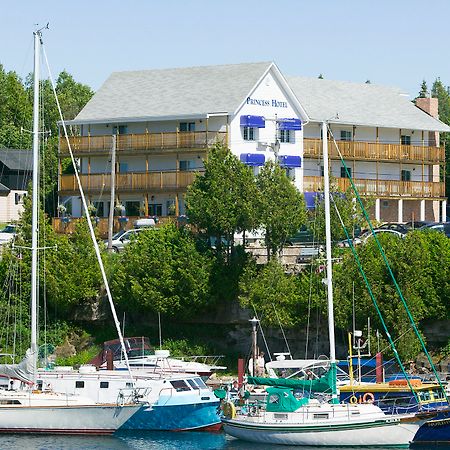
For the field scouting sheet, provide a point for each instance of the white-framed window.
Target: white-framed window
(405, 139)
(346, 135)
(249, 134)
(285, 136)
(187, 126)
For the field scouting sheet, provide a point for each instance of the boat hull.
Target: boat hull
(435, 430)
(379, 433)
(90, 420)
(192, 416)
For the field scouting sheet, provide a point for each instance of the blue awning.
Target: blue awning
(253, 121)
(253, 159)
(290, 161)
(289, 124)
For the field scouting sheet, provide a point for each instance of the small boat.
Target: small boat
(142, 357)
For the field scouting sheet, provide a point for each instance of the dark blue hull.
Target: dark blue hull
(435, 430)
(175, 418)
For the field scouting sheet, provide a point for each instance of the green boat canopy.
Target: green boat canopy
(322, 384)
(282, 400)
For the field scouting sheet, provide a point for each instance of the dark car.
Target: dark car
(400, 227)
(443, 227)
(415, 225)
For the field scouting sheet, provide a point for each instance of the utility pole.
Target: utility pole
(113, 189)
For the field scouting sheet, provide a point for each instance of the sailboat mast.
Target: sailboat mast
(326, 192)
(35, 199)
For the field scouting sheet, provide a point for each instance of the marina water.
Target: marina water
(142, 440)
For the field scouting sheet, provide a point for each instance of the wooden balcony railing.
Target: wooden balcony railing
(382, 188)
(137, 181)
(312, 148)
(87, 145)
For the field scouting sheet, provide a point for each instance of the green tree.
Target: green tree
(223, 200)
(282, 208)
(162, 271)
(423, 90)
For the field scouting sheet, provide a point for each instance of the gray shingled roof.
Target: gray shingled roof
(16, 159)
(360, 104)
(191, 91)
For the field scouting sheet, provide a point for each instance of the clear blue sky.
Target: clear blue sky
(392, 42)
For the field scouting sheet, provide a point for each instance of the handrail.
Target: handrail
(376, 151)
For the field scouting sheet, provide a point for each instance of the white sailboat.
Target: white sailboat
(309, 422)
(29, 408)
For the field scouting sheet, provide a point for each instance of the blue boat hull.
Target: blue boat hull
(193, 416)
(435, 430)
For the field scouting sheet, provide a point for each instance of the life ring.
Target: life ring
(353, 400)
(229, 410)
(368, 397)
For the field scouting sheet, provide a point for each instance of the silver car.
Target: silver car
(123, 238)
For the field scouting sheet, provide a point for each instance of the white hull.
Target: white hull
(90, 419)
(382, 434)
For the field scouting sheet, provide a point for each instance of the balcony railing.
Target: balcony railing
(382, 188)
(133, 181)
(147, 142)
(375, 151)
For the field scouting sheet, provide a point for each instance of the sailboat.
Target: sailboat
(288, 420)
(29, 408)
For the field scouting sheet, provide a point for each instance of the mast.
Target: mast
(326, 192)
(35, 200)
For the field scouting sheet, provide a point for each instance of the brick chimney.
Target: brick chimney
(431, 107)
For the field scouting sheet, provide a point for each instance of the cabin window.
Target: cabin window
(187, 126)
(274, 399)
(405, 140)
(10, 402)
(284, 136)
(200, 383)
(79, 384)
(180, 386)
(346, 135)
(320, 416)
(249, 133)
(280, 416)
(129, 385)
(104, 384)
(193, 385)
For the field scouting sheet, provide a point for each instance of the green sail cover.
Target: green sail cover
(322, 384)
(282, 400)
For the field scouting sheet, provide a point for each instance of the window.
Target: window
(346, 135)
(122, 129)
(322, 171)
(170, 207)
(123, 167)
(132, 208)
(187, 126)
(344, 172)
(104, 384)
(129, 385)
(99, 210)
(406, 175)
(274, 399)
(200, 383)
(385, 204)
(180, 385)
(320, 416)
(79, 384)
(186, 165)
(249, 134)
(284, 136)
(290, 173)
(405, 140)
(193, 385)
(155, 209)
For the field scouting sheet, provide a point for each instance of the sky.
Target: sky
(391, 42)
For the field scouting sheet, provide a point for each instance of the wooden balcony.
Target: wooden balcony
(172, 181)
(373, 151)
(144, 143)
(382, 188)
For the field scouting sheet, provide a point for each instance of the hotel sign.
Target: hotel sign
(261, 102)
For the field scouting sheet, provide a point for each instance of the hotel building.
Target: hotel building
(164, 121)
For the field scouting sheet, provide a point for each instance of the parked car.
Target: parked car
(443, 227)
(7, 234)
(400, 227)
(380, 231)
(123, 238)
(415, 225)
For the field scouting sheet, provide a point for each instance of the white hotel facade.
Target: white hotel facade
(166, 119)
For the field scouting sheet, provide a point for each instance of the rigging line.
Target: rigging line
(391, 274)
(282, 331)
(89, 221)
(262, 334)
(369, 289)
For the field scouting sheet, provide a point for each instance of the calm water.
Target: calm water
(137, 441)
